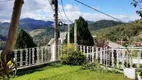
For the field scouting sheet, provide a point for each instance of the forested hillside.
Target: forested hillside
(127, 32)
(103, 24)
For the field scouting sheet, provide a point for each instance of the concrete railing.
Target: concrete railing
(33, 56)
(113, 57)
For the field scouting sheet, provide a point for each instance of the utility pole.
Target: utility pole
(56, 28)
(75, 35)
(68, 34)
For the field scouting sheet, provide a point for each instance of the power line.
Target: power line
(65, 12)
(97, 10)
(6, 0)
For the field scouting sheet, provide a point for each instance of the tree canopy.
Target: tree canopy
(24, 40)
(83, 34)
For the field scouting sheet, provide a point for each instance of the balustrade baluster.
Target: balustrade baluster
(21, 57)
(138, 57)
(26, 61)
(87, 54)
(42, 54)
(30, 56)
(112, 57)
(117, 57)
(15, 56)
(33, 55)
(96, 53)
(100, 55)
(84, 50)
(93, 54)
(123, 58)
(38, 61)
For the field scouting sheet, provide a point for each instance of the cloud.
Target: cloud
(41, 10)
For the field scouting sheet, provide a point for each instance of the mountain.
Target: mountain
(102, 24)
(27, 24)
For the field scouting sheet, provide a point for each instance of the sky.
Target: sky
(41, 10)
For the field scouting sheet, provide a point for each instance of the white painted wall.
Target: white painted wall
(130, 73)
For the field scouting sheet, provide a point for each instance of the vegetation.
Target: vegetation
(71, 57)
(65, 72)
(83, 34)
(24, 40)
(103, 24)
(127, 32)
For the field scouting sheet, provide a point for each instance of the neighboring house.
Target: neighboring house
(114, 45)
(52, 44)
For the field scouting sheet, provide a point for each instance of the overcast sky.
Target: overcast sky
(41, 10)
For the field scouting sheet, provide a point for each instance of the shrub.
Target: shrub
(73, 58)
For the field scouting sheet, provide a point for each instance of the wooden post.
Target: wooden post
(12, 35)
(75, 35)
(68, 33)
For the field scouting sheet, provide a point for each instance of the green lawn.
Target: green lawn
(65, 72)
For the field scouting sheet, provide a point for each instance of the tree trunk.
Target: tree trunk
(10, 43)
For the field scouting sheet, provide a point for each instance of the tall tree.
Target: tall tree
(11, 37)
(83, 34)
(24, 40)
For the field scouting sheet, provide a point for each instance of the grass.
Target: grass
(65, 72)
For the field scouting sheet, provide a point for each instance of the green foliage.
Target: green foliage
(83, 34)
(24, 40)
(70, 56)
(73, 58)
(126, 32)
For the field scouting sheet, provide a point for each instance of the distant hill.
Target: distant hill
(102, 24)
(130, 32)
(27, 24)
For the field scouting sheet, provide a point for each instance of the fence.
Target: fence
(33, 56)
(114, 57)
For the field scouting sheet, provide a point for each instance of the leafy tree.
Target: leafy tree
(137, 3)
(83, 34)
(24, 40)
